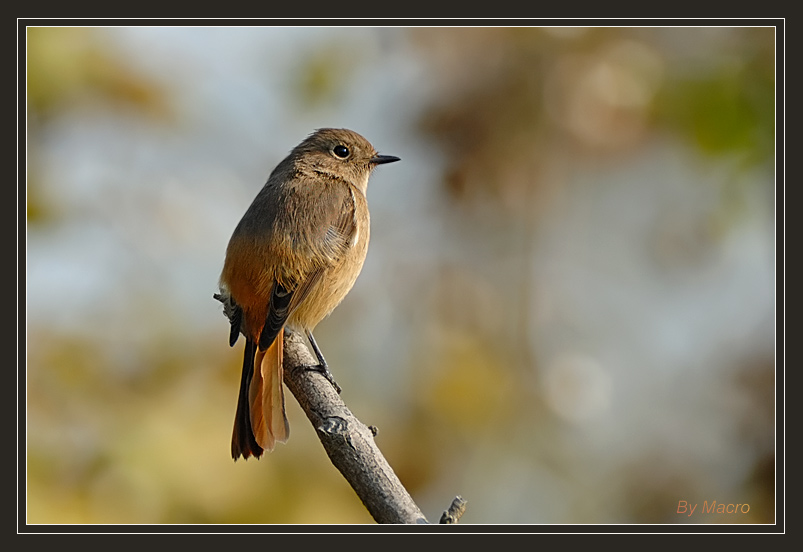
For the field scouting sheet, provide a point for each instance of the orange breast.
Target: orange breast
(248, 276)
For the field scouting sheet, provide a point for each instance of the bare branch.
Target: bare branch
(455, 511)
(348, 442)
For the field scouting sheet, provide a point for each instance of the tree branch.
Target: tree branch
(455, 511)
(348, 442)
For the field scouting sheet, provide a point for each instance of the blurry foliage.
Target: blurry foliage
(728, 109)
(69, 65)
(70, 68)
(488, 116)
(471, 390)
(498, 85)
(322, 76)
(138, 446)
(513, 108)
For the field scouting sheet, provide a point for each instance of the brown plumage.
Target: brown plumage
(291, 260)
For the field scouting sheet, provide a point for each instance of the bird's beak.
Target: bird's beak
(382, 159)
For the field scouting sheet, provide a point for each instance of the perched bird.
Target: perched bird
(291, 260)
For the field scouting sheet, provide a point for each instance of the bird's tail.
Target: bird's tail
(260, 420)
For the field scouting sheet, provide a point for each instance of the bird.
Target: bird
(292, 258)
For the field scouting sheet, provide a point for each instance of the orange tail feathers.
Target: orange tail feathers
(260, 421)
(266, 396)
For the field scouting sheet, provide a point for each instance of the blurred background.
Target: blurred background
(567, 310)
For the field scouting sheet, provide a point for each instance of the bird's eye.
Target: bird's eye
(341, 151)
